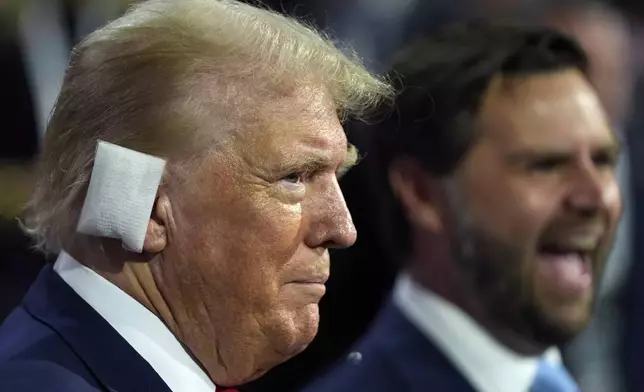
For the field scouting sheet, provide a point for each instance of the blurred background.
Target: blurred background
(36, 37)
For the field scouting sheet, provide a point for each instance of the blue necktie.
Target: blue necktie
(553, 378)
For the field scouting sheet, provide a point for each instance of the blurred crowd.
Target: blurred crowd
(36, 37)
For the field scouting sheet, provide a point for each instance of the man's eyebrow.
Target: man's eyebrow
(314, 163)
(350, 161)
(524, 155)
(528, 153)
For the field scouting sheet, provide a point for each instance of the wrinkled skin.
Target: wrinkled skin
(236, 252)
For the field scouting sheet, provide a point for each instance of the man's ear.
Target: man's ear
(156, 237)
(418, 192)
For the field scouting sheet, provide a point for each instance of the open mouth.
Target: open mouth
(566, 268)
(560, 249)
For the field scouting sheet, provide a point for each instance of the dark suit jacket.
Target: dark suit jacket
(55, 342)
(394, 357)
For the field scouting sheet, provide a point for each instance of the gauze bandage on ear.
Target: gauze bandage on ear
(121, 195)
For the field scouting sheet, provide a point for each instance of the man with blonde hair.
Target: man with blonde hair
(188, 182)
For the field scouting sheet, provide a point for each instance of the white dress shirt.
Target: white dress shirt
(483, 361)
(137, 325)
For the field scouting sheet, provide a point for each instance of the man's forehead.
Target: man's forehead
(523, 91)
(321, 135)
(327, 149)
(554, 107)
(286, 137)
(300, 109)
(290, 103)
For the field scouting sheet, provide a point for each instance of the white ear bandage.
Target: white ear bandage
(121, 195)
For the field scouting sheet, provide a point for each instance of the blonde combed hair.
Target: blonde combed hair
(138, 82)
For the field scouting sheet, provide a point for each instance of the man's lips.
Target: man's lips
(312, 280)
(311, 287)
(585, 240)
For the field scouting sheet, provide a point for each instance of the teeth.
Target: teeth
(577, 244)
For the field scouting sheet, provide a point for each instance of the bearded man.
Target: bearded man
(503, 163)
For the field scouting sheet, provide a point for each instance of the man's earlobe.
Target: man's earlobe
(413, 188)
(156, 237)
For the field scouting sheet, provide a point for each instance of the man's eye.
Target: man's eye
(294, 178)
(605, 160)
(544, 165)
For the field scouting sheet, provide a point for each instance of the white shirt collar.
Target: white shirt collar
(483, 361)
(137, 325)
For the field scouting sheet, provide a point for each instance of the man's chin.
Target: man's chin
(562, 325)
(307, 323)
(298, 331)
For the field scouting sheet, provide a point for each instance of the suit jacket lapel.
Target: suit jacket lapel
(110, 358)
(417, 359)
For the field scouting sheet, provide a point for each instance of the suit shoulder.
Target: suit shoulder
(22, 337)
(36, 376)
(20, 330)
(369, 371)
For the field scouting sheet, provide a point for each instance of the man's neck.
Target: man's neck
(134, 277)
(450, 285)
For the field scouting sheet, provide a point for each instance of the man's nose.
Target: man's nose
(332, 226)
(590, 192)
